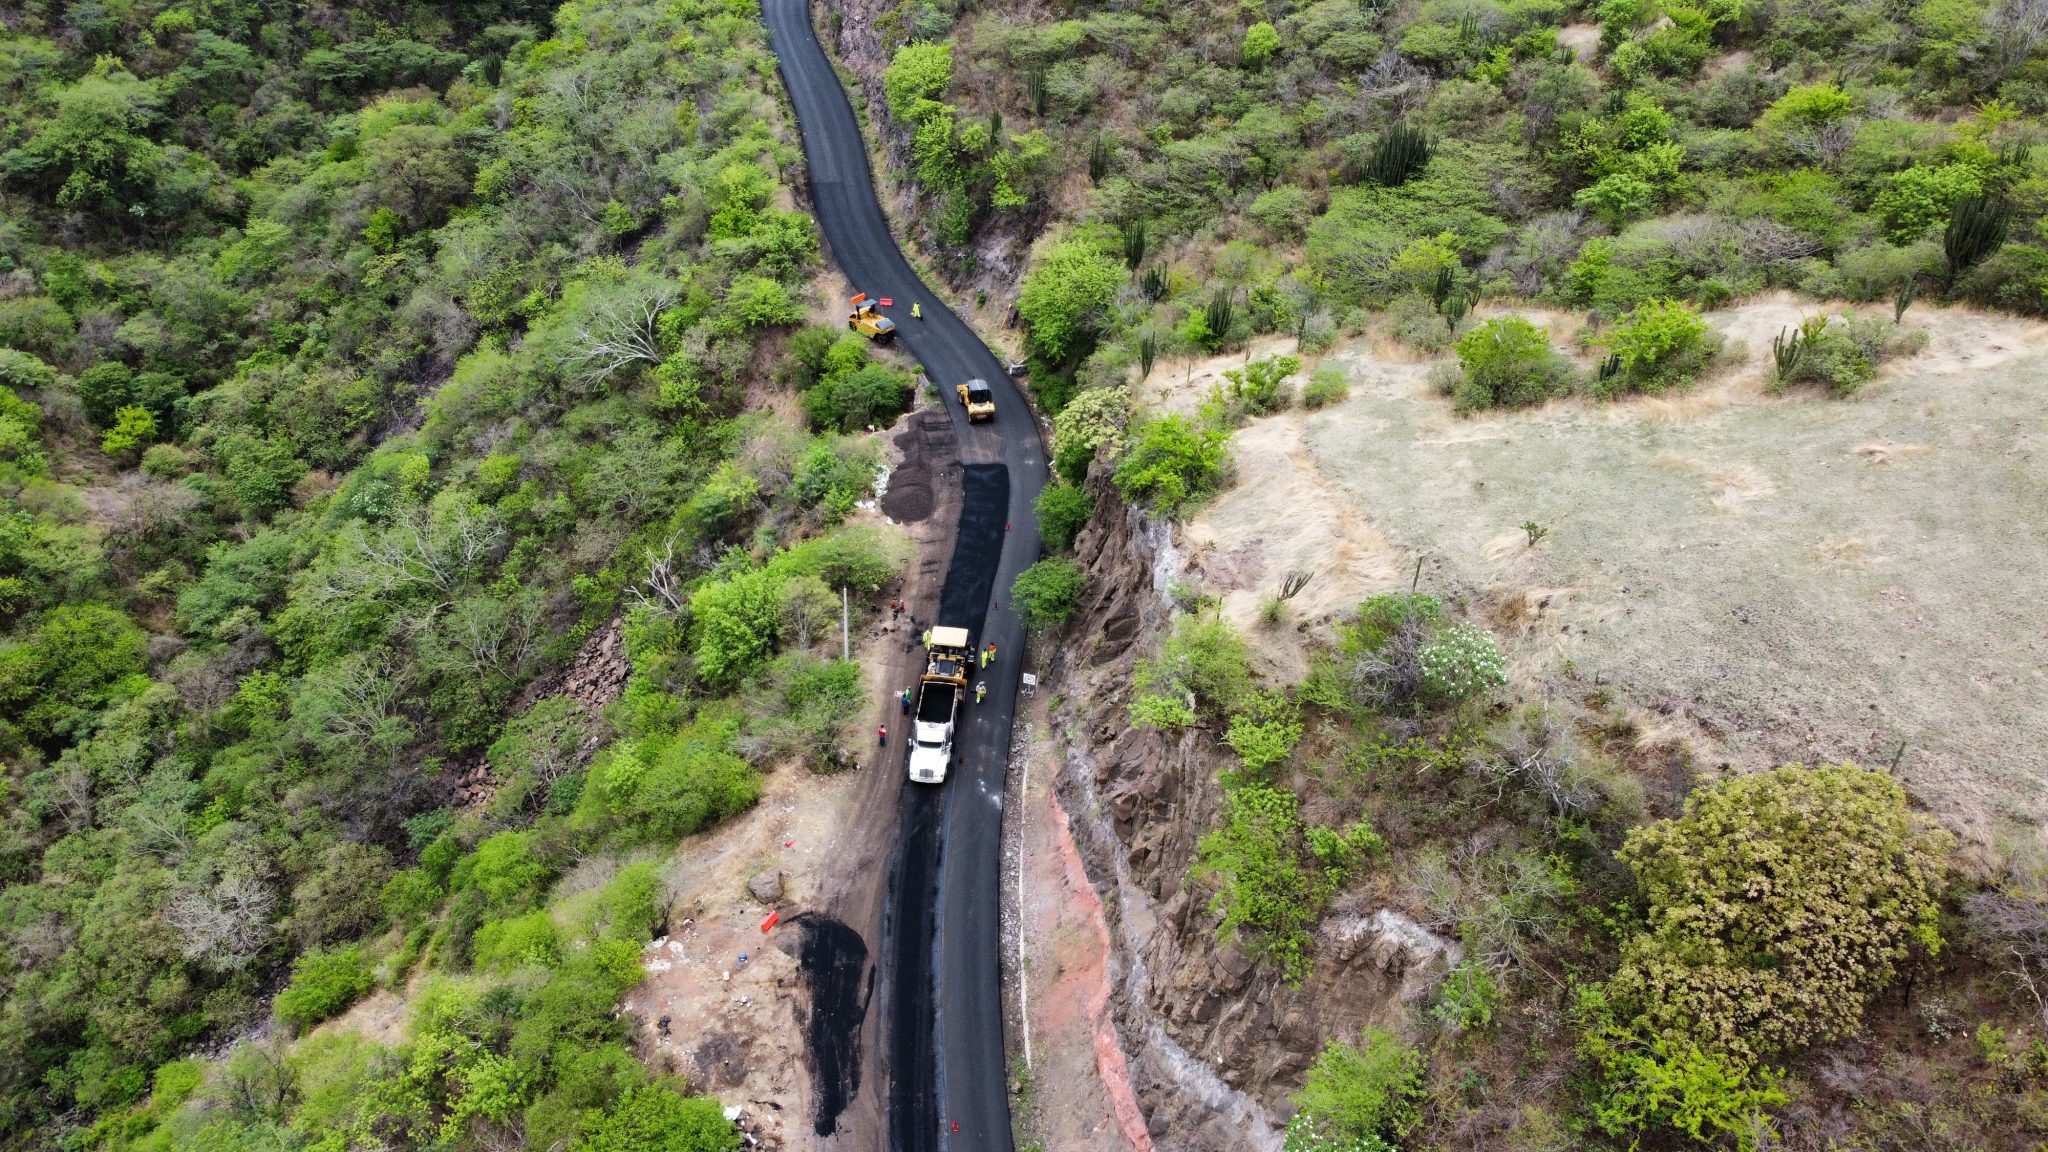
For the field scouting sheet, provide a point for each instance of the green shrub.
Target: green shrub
(409, 895)
(852, 401)
(1047, 592)
(20, 371)
(756, 302)
(1265, 732)
(1364, 1093)
(1284, 211)
(1413, 320)
(1779, 904)
(1260, 386)
(920, 72)
(1461, 662)
(1326, 386)
(630, 906)
(1269, 888)
(1874, 271)
(1382, 618)
(1804, 109)
(1171, 462)
(1671, 1083)
(78, 659)
(663, 787)
(1092, 421)
(1063, 510)
(803, 703)
(1913, 202)
(805, 353)
(735, 623)
(1204, 665)
(324, 983)
(1842, 353)
(1261, 40)
(507, 869)
(1509, 363)
(832, 476)
(1068, 291)
(1468, 998)
(529, 939)
(862, 558)
(1661, 344)
(133, 428)
(657, 1118)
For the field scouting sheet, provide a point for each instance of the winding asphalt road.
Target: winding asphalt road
(949, 1084)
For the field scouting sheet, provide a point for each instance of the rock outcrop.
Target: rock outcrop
(595, 678)
(1215, 1040)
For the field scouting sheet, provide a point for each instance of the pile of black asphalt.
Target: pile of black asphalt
(832, 961)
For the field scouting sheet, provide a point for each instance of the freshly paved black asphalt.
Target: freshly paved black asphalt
(944, 1033)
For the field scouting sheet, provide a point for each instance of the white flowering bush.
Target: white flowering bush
(1093, 420)
(1461, 662)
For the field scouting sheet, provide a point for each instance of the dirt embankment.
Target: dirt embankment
(1213, 1041)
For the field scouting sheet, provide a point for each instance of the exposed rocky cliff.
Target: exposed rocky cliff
(1215, 1040)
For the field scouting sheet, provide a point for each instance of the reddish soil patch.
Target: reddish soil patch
(1080, 1096)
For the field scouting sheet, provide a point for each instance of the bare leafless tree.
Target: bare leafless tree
(1768, 242)
(225, 926)
(421, 548)
(662, 588)
(354, 706)
(808, 608)
(1821, 144)
(258, 1079)
(1501, 905)
(1535, 752)
(494, 635)
(2012, 922)
(205, 688)
(1390, 676)
(620, 331)
(74, 793)
(41, 940)
(2016, 28)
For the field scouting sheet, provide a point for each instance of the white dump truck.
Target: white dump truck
(948, 657)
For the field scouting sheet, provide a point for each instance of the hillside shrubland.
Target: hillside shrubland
(1653, 956)
(1316, 163)
(359, 365)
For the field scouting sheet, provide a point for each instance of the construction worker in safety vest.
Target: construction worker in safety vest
(980, 691)
(916, 311)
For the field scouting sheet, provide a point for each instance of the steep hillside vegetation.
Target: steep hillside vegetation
(1369, 878)
(360, 363)
(1303, 161)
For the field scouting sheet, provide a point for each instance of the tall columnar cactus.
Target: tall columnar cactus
(1219, 312)
(1977, 227)
(1401, 153)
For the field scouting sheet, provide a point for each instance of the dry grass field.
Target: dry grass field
(1768, 578)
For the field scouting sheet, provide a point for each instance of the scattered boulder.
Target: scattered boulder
(766, 886)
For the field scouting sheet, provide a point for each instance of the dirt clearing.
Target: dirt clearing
(736, 1027)
(1776, 578)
